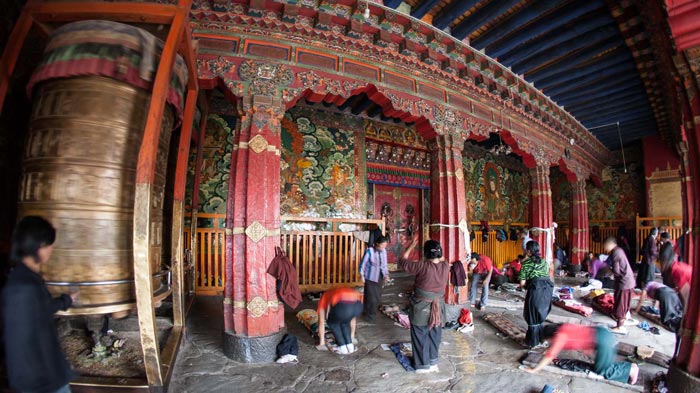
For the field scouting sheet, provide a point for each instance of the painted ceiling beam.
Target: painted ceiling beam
(599, 77)
(602, 94)
(423, 8)
(607, 61)
(556, 37)
(568, 48)
(516, 21)
(543, 25)
(573, 61)
(453, 11)
(641, 115)
(619, 97)
(482, 16)
(631, 93)
(606, 111)
(392, 3)
(610, 84)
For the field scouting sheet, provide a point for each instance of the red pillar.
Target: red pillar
(579, 222)
(448, 210)
(254, 316)
(540, 204)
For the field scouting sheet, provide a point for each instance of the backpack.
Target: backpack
(465, 317)
(288, 346)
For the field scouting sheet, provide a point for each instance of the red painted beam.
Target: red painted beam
(684, 19)
(11, 52)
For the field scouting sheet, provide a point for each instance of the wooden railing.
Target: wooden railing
(499, 252)
(673, 225)
(606, 229)
(209, 271)
(327, 258)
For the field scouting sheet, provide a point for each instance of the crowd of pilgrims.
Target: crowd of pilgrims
(340, 307)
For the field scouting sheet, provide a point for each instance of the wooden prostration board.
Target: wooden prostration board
(506, 327)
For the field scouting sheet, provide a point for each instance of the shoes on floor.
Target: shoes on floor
(431, 369)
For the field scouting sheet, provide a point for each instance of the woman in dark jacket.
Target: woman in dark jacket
(534, 276)
(428, 304)
(35, 362)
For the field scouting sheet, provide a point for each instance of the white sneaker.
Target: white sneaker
(424, 371)
(351, 348)
(289, 358)
(434, 368)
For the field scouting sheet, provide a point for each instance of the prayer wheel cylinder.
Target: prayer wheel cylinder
(79, 172)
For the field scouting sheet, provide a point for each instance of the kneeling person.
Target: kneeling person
(339, 307)
(588, 338)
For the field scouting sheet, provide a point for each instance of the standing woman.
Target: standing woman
(374, 271)
(427, 305)
(35, 361)
(534, 276)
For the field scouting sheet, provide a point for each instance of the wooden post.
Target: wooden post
(195, 190)
(579, 222)
(448, 210)
(12, 49)
(541, 206)
(183, 154)
(145, 176)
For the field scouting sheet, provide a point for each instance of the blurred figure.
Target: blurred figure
(525, 236)
(35, 362)
(570, 337)
(647, 268)
(669, 304)
(675, 274)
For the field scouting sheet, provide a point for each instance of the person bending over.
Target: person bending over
(483, 269)
(339, 307)
(597, 339)
(624, 283)
(427, 307)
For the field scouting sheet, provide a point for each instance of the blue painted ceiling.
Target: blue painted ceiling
(571, 50)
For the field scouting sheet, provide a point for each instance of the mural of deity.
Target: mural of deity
(492, 192)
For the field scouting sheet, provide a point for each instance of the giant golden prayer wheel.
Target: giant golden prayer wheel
(79, 166)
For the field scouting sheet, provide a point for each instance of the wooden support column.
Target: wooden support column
(251, 303)
(199, 156)
(541, 215)
(579, 222)
(178, 235)
(448, 211)
(145, 177)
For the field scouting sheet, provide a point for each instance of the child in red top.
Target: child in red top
(513, 269)
(340, 307)
(570, 337)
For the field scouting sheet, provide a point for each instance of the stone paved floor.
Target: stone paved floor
(477, 362)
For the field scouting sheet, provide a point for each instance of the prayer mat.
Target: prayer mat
(309, 319)
(507, 327)
(574, 307)
(403, 355)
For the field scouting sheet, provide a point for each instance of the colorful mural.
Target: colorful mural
(561, 195)
(495, 192)
(216, 163)
(319, 163)
(620, 196)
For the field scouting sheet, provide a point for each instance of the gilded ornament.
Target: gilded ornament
(258, 144)
(257, 307)
(256, 231)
